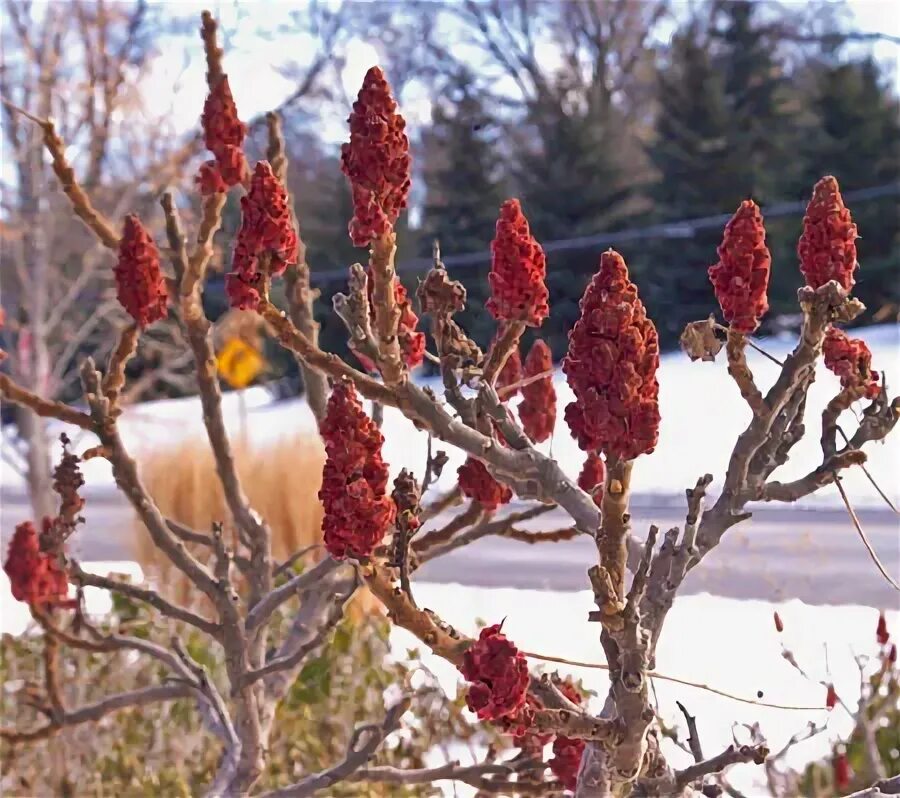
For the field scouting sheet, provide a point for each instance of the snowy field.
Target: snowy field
(702, 415)
(745, 657)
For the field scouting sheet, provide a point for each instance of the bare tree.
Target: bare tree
(380, 539)
(82, 64)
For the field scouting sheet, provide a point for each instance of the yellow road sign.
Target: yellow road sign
(239, 363)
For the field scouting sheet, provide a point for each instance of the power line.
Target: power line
(684, 228)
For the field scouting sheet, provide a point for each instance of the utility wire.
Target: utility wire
(684, 228)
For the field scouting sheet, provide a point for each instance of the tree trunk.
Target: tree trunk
(33, 430)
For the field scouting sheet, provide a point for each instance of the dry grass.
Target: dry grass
(282, 482)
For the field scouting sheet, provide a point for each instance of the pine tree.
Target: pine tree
(464, 190)
(855, 135)
(696, 178)
(724, 132)
(577, 176)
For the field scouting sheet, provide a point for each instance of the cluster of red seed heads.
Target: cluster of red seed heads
(497, 673)
(537, 410)
(223, 134)
(498, 678)
(266, 241)
(358, 512)
(827, 246)
(518, 270)
(376, 160)
(593, 476)
(611, 367)
(851, 360)
(36, 577)
(741, 277)
(477, 484)
(140, 285)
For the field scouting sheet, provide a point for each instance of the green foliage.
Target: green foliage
(162, 749)
(881, 705)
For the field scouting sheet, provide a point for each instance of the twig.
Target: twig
(100, 709)
(126, 476)
(657, 675)
(387, 312)
(289, 563)
(693, 737)
(863, 537)
(501, 348)
(505, 528)
(146, 595)
(96, 222)
(879, 789)
(515, 386)
(214, 53)
(753, 345)
(326, 362)
(740, 371)
(473, 775)
(363, 744)
(199, 259)
(471, 515)
(114, 380)
(45, 408)
(730, 756)
(296, 656)
(869, 475)
(822, 476)
(263, 610)
(450, 499)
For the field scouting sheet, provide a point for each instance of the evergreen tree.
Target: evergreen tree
(692, 154)
(577, 176)
(855, 135)
(724, 132)
(464, 191)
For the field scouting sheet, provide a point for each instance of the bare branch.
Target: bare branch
(100, 709)
(730, 756)
(45, 408)
(151, 597)
(364, 743)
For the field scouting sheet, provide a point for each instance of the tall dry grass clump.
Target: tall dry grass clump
(282, 480)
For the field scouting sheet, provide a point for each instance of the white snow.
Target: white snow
(702, 415)
(725, 643)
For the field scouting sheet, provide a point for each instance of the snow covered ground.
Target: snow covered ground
(742, 657)
(702, 415)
